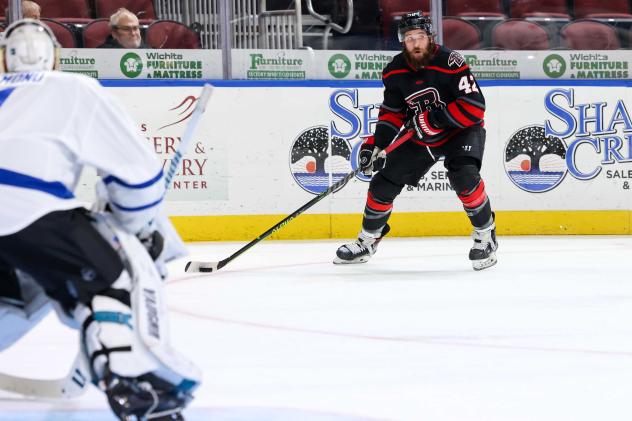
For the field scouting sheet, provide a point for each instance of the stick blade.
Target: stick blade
(204, 267)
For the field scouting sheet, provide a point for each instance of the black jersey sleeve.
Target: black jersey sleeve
(392, 111)
(468, 107)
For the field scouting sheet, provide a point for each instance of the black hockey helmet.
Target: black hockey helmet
(414, 20)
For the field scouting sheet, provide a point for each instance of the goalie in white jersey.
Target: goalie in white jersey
(98, 269)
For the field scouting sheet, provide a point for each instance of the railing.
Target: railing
(252, 24)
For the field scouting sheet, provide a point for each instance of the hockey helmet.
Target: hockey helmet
(414, 20)
(28, 45)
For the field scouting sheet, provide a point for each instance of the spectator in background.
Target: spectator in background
(125, 31)
(31, 10)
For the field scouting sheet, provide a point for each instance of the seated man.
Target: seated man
(125, 31)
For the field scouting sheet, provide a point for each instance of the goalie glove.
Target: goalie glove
(371, 158)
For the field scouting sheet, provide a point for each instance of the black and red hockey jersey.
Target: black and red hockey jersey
(438, 100)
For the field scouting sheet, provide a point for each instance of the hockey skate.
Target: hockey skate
(483, 252)
(361, 250)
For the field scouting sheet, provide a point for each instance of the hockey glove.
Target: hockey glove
(371, 157)
(426, 124)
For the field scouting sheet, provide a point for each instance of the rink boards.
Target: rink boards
(558, 158)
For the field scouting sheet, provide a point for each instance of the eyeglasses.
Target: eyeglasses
(412, 38)
(127, 28)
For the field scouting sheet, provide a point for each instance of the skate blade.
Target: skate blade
(339, 261)
(485, 263)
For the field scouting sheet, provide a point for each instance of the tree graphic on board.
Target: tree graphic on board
(530, 141)
(314, 142)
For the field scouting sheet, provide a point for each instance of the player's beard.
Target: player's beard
(419, 61)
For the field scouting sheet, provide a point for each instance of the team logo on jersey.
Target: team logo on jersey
(318, 160)
(455, 59)
(534, 162)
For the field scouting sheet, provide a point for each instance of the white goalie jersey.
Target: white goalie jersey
(52, 124)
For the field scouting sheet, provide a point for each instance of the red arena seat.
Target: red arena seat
(603, 9)
(539, 8)
(517, 34)
(96, 32)
(474, 8)
(64, 34)
(171, 34)
(589, 35)
(143, 9)
(393, 9)
(67, 11)
(459, 34)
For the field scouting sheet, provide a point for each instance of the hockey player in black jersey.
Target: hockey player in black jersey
(431, 96)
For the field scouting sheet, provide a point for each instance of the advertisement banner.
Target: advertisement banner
(334, 64)
(142, 64)
(265, 150)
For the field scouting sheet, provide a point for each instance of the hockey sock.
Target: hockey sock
(477, 206)
(376, 213)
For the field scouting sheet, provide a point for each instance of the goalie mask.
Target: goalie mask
(28, 45)
(414, 20)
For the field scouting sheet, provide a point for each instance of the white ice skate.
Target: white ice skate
(361, 250)
(483, 252)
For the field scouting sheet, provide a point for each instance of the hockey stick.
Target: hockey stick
(194, 266)
(199, 109)
(71, 386)
(76, 381)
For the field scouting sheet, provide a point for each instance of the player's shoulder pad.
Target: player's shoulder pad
(449, 59)
(396, 66)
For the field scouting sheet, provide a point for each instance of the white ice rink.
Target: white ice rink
(415, 334)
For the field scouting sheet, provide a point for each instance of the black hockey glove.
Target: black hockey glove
(371, 157)
(153, 241)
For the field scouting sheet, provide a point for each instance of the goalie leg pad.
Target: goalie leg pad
(126, 337)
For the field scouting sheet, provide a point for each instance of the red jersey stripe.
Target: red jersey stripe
(454, 111)
(442, 70)
(393, 72)
(472, 109)
(393, 118)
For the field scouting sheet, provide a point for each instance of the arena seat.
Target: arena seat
(539, 9)
(469, 8)
(392, 10)
(143, 9)
(602, 9)
(66, 11)
(459, 34)
(4, 5)
(171, 34)
(518, 34)
(64, 33)
(589, 35)
(96, 32)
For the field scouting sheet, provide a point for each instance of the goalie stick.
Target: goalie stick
(198, 266)
(71, 386)
(76, 381)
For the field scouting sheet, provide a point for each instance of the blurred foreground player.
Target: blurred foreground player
(100, 270)
(430, 92)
